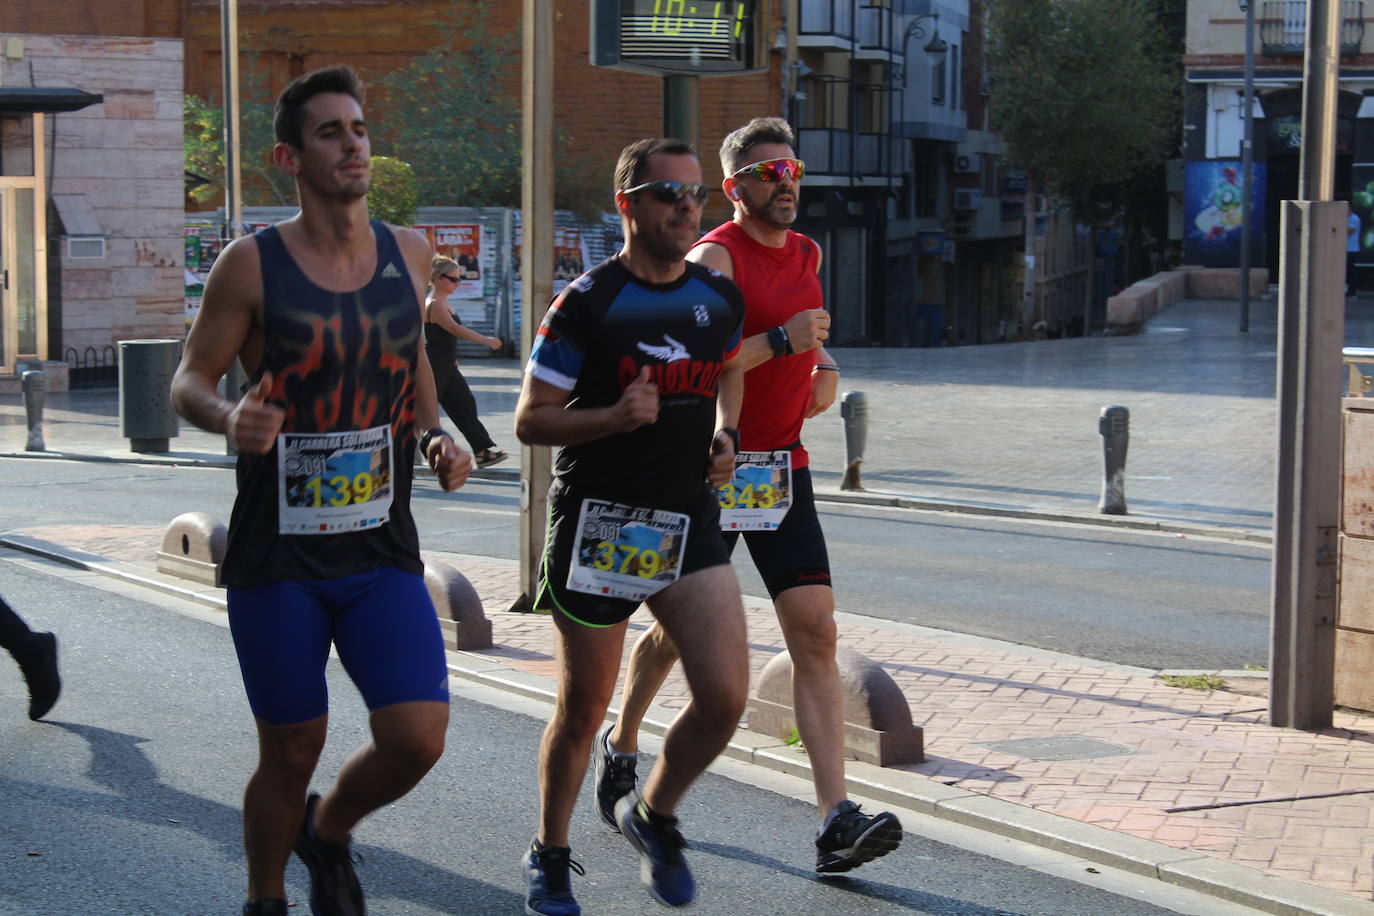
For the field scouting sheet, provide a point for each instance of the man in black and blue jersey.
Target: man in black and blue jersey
(635, 374)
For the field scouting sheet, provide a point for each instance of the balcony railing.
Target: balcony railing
(1283, 27)
(877, 31)
(846, 154)
(830, 19)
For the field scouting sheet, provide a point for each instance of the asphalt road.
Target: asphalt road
(127, 800)
(1137, 598)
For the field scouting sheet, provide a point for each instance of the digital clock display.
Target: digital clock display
(677, 36)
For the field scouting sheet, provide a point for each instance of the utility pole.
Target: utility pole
(536, 269)
(229, 50)
(1311, 332)
(1247, 158)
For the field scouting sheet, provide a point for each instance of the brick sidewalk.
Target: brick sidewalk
(1193, 770)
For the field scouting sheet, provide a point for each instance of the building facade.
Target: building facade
(90, 180)
(1211, 184)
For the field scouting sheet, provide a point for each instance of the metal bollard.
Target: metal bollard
(1114, 425)
(33, 386)
(854, 410)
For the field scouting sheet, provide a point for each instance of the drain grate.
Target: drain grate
(1060, 747)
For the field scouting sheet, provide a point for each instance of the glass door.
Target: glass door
(19, 311)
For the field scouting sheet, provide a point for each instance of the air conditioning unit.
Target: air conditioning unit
(967, 163)
(968, 199)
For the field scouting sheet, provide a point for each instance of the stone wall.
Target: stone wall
(124, 157)
(1128, 309)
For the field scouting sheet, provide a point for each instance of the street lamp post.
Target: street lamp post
(935, 48)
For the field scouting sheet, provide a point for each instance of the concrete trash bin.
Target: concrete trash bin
(146, 416)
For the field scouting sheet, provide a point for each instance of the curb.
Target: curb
(1194, 871)
(1248, 535)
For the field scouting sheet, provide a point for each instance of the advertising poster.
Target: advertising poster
(569, 257)
(1212, 213)
(463, 244)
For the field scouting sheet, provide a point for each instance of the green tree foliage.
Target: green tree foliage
(203, 141)
(1085, 95)
(203, 138)
(392, 194)
(453, 112)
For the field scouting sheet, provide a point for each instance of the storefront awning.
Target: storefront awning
(16, 101)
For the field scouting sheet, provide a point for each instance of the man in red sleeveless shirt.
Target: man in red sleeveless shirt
(789, 378)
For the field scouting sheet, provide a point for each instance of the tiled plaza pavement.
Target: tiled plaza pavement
(1197, 771)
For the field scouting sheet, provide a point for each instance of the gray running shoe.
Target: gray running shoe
(853, 838)
(615, 777)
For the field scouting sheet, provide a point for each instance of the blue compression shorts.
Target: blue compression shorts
(382, 622)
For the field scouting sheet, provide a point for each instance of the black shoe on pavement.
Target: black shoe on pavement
(39, 664)
(548, 886)
(853, 838)
(661, 865)
(268, 906)
(489, 456)
(334, 887)
(615, 777)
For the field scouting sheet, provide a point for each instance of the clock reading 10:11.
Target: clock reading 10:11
(670, 17)
(690, 37)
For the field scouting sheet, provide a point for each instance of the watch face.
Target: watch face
(677, 36)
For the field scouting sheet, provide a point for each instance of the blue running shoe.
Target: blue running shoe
(661, 866)
(548, 886)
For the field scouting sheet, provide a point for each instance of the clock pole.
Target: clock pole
(682, 108)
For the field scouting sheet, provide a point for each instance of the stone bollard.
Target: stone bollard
(1114, 425)
(193, 548)
(877, 720)
(854, 410)
(458, 606)
(34, 387)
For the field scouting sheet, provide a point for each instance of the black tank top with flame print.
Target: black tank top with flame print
(332, 497)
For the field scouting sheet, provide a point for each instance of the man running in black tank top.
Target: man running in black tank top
(324, 312)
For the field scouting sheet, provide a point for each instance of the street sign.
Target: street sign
(680, 37)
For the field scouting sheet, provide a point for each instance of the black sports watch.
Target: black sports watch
(428, 436)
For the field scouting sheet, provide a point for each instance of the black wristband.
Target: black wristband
(427, 437)
(779, 341)
(732, 433)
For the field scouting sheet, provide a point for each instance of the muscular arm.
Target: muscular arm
(542, 417)
(806, 329)
(224, 329)
(450, 463)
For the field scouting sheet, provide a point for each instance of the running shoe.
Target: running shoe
(853, 838)
(334, 887)
(548, 886)
(661, 865)
(39, 664)
(265, 907)
(615, 777)
(489, 456)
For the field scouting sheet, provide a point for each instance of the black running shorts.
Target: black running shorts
(794, 553)
(704, 548)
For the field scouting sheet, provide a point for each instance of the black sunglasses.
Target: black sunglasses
(670, 192)
(449, 277)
